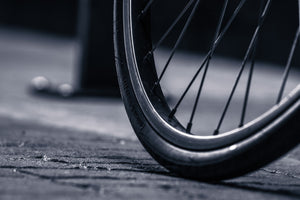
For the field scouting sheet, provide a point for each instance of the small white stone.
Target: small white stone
(122, 142)
(46, 158)
(40, 83)
(65, 90)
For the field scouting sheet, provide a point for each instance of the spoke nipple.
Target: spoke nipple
(149, 54)
(189, 127)
(216, 132)
(141, 15)
(147, 57)
(172, 113)
(154, 87)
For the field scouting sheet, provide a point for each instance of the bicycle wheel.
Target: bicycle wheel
(189, 152)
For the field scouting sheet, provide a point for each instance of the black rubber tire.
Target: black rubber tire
(266, 145)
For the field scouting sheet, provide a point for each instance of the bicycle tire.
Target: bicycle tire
(271, 139)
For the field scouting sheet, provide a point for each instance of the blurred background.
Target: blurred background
(70, 41)
(45, 44)
(63, 17)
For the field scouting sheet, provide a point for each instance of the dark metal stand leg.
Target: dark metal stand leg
(95, 69)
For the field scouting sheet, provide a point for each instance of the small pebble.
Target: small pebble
(122, 142)
(40, 83)
(65, 90)
(45, 158)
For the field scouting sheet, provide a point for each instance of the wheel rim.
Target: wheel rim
(157, 112)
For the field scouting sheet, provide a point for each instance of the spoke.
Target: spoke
(216, 43)
(172, 25)
(190, 123)
(249, 50)
(244, 110)
(147, 7)
(169, 30)
(288, 66)
(245, 104)
(299, 11)
(174, 110)
(290, 58)
(236, 12)
(178, 41)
